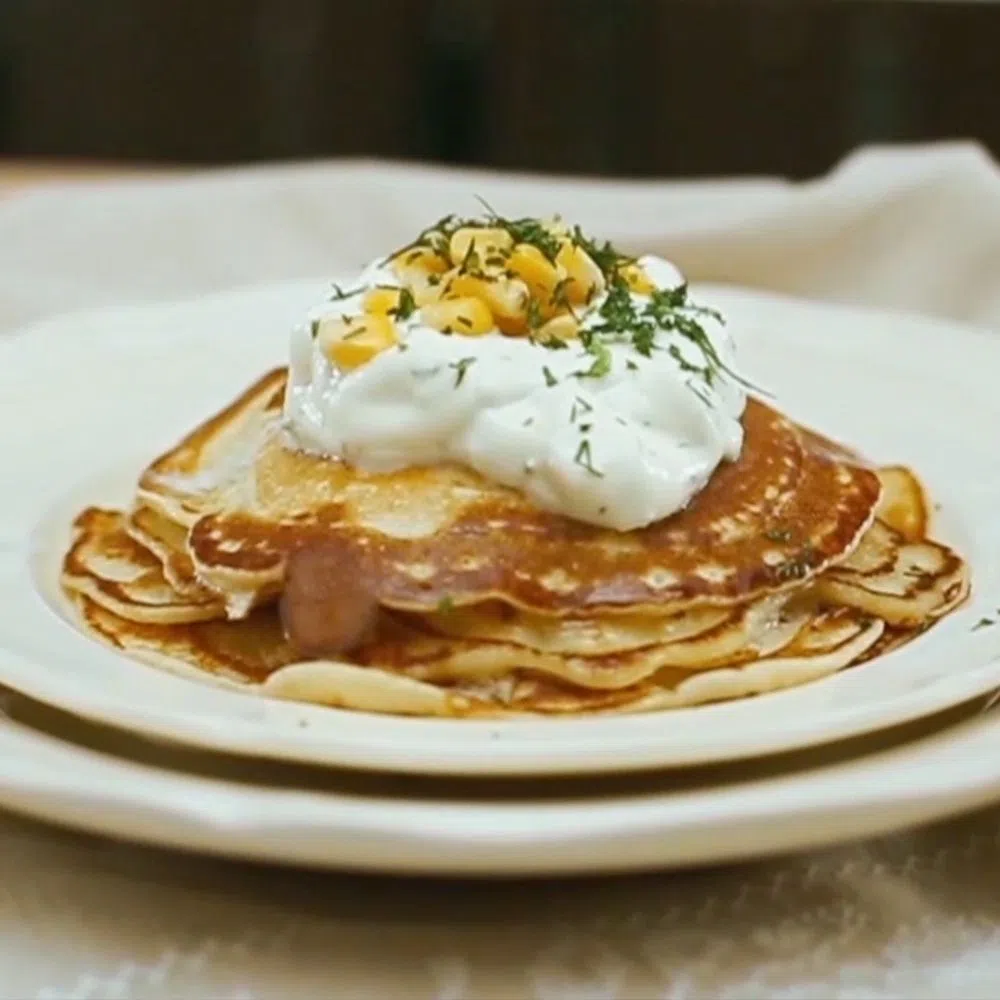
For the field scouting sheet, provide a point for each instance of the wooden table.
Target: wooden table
(19, 174)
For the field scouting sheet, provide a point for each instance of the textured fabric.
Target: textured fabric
(915, 915)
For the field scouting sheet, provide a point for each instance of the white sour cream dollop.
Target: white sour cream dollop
(621, 451)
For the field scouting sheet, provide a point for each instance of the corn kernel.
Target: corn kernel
(561, 327)
(487, 245)
(585, 277)
(382, 301)
(637, 279)
(426, 288)
(354, 342)
(537, 272)
(425, 259)
(506, 298)
(419, 269)
(468, 316)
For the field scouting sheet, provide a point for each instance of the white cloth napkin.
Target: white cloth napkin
(916, 915)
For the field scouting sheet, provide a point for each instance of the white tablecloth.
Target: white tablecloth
(916, 915)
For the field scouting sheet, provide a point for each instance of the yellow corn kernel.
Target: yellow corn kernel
(468, 316)
(506, 298)
(637, 279)
(561, 327)
(424, 286)
(483, 245)
(419, 259)
(382, 301)
(539, 273)
(421, 270)
(354, 342)
(585, 279)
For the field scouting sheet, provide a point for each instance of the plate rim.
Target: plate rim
(73, 786)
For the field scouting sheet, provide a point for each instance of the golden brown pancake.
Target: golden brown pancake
(254, 654)
(902, 582)
(768, 521)
(109, 567)
(245, 652)
(167, 540)
(783, 575)
(191, 478)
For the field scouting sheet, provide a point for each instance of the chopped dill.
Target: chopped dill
(584, 459)
(602, 360)
(534, 311)
(406, 306)
(460, 367)
(579, 407)
(340, 293)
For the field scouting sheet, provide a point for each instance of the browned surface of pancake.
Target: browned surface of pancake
(186, 480)
(168, 542)
(776, 516)
(905, 583)
(109, 566)
(248, 650)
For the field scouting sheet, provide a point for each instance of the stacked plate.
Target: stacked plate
(99, 741)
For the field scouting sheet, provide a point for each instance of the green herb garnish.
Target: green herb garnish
(534, 312)
(406, 306)
(584, 458)
(579, 407)
(602, 360)
(560, 294)
(340, 293)
(460, 367)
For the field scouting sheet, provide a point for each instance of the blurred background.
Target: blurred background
(607, 87)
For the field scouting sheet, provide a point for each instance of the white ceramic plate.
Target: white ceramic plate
(106, 391)
(395, 825)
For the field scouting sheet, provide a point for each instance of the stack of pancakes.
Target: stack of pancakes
(432, 591)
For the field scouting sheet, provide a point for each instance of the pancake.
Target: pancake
(167, 541)
(492, 659)
(758, 630)
(772, 644)
(831, 642)
(194, 476)
(244, 654)
(253, 655)
(493, 621)
(108, 566)
(767, 522)
(905, 583)
(903, 504)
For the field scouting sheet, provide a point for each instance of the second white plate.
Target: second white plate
(389, 824)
